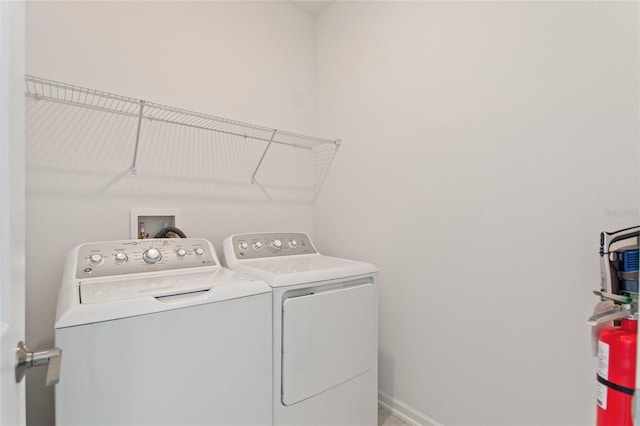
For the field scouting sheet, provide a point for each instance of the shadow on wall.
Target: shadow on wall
(86, 151)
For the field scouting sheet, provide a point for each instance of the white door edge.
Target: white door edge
(12, 204)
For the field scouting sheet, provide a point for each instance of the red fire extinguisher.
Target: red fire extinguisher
(616, 373)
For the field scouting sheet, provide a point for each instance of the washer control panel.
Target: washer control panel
(261, 245)
(135, 256)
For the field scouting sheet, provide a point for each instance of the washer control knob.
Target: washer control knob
(293, 244)
(199, 251)
(275, 244)
(121, 257)
(243, 246)
(257, 245)
(152, 255)
(181, 253)
(95, 259)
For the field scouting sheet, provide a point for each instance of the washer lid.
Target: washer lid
(98, 300)
(100, 291)
(300, 269)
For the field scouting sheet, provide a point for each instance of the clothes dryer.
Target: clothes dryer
(156, 332)
(324, 328)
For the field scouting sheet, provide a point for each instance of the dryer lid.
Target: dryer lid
(301, 269)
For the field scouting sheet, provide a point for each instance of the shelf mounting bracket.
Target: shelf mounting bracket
(253, 176)
(135, 152)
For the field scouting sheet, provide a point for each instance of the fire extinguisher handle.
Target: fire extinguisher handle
(615, 297)
(616, 313)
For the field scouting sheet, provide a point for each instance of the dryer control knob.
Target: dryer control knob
(293, 244)
(275, 244)
(257, 245)
(199, 251)
(243, 246)
(152, 255)
(121, 257)
(181, 253)
(95, 259)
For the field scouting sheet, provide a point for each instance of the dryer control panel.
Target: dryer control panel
(136, 256)
(271, 244)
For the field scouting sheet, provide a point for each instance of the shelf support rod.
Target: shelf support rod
(253, 176)
(135, 152)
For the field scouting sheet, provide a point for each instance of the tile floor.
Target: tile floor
(386, 418)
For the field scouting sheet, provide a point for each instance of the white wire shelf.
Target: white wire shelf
(41, 88)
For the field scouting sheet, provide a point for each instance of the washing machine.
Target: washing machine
(324, 328)
(157, 332)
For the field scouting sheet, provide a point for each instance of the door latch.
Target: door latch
(50, 357)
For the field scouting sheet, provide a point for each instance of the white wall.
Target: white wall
(249, 61)
(486, 145)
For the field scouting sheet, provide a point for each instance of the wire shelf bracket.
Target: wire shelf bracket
(253, 176)
(135, 150)
(41, 88)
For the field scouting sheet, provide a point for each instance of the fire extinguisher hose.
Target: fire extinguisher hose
(614, 386)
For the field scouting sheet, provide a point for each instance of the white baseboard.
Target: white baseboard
(404, 411)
